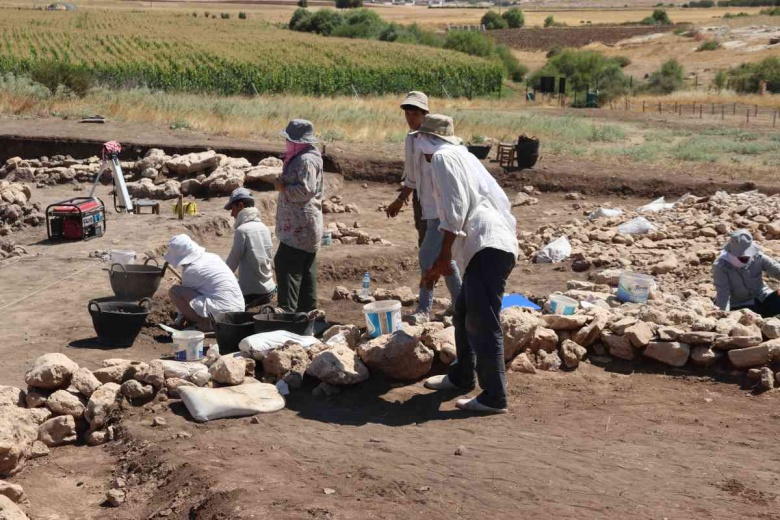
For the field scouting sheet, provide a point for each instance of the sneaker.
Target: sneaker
(472, 405)
(418, 318)
(440, 383)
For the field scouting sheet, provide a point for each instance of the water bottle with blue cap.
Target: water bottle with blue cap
(365, 290)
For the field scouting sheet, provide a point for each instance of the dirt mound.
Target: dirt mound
(534, 38)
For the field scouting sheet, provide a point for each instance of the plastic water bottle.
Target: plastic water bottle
(365, 289)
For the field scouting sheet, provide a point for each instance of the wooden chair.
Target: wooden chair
(505, 155)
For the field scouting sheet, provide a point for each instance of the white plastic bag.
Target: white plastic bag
(657, 205)
(636, 226)
(258, 345)
(556, 251)
(206, 404)
(605, 212)
(182, 369)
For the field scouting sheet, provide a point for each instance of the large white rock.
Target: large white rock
(518, 326)
(51, 371)
(152, 373)
(565, 322)
(18, 431)
(10, 511)
(262, 176)
(289, 359)
(398, 355)
(771, 328)
(442, 342)
(544, 339)
(749, 357)
(671, 353)
(192, 163)
(228, 371)
(549, 361)
(588, 334)
(572, 353)
(11, 396)
(85, 381)
(338, 365)
(63, 402)
(640, 334)
(135, 390)
(58, 431)
(704, 356)
(13, 491)
(619, 346)
(101, 404)
(523, 364)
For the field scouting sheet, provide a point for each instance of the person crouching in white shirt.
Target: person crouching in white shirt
(479, 232)
(208, 286)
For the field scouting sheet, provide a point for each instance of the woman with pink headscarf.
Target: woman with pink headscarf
(299, 219)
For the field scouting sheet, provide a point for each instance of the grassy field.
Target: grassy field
(182, 52)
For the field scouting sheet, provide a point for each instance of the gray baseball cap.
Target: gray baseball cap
(237, 195)
(416, 99)
(300, 131)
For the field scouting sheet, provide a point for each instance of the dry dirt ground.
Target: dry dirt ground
(601, 442)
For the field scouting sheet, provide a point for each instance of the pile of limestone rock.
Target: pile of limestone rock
(155, 176)
(352, 235)
(677, 330)
(16, 210)
(336, 204)
(677, 243)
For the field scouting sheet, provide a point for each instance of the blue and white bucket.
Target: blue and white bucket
(188, 345)
(560, 304)
(327, 238)
(383, 317)
(634, 287)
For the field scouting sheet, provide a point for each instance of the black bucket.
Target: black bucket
(230, 328)
(118, 323)
(134, 281)
(295, 322)
(480, 151)
(527, 151)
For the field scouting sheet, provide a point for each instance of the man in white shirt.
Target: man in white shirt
(479, 231)
(208, 286)
(418, 180)
(252, 250)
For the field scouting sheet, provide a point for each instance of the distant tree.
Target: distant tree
(492, 20)
(303, 3)
(514, 17)
(470, 42)
(549, 21)
(721, 80)
(661, 17)
(349, 4)
(667, 79)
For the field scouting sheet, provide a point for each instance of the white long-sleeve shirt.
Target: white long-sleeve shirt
(471, 204)
(252, 254)
(218, 288)
(418, 176)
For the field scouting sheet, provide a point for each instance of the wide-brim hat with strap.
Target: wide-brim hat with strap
(182, 250)
(440, 126)
(741, 244)
(300, 131)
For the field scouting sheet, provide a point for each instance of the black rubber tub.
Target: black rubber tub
(480, 151)
(135, 281)
(230, 328)
(295, 322)
(117, 323)
(527, 152)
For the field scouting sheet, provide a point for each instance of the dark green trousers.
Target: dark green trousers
(296, 278)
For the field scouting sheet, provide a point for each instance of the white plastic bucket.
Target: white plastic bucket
(560, 304)
(189, 345)
(634, 287)
(122, 257)
(382, 317)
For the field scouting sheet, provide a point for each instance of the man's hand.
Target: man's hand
(441, 267)
(279, 185)
(394, 208)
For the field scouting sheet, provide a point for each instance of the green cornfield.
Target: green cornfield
(177, 52)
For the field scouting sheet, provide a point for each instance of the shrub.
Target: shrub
(720, 80)
(554, 51)
(410, 34)
(701, 4)
(516, 71)
(549, 21)
(709, 45)
(775, 11)
(470, 42)
(323, 22)
(242, 15)
(585, 70)
(224, 16)
(741, 14)
(52, 74)
(659, 17)
(194, 14)
(514, 17)
(667, 79)
(492, 20)
(746, 77)
(361, 23)
(349, 4)
(301, 20)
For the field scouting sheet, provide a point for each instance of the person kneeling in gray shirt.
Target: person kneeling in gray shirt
(252, 250)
